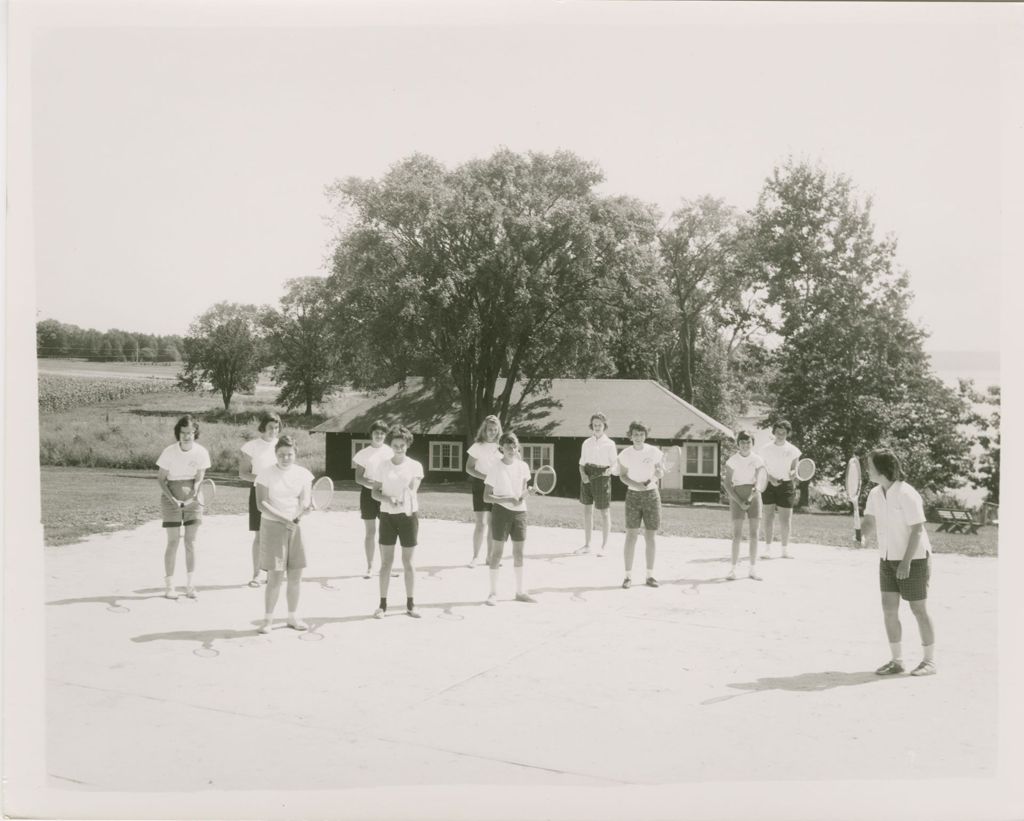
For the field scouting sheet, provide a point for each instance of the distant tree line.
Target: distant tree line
(56, 340)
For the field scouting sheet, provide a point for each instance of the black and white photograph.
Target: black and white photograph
(448, 410)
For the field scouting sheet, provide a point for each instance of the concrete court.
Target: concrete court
(698, 680)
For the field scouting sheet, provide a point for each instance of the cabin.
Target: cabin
(551, 429)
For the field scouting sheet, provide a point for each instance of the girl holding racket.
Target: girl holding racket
(181, 469)
(483, 453)
(780, 457)
(365, 463)
(257, 454)
(398, 479)
(744, 472)
(283, 494)
(640, 468)
(505, 488)
(597, 456)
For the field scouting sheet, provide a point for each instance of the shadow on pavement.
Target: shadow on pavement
(802, 683)
(112, 602)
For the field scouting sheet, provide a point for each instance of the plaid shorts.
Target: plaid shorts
(912, 588)
(598, 492)
(643, 508)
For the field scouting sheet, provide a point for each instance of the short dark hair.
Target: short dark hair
(887, 463)
(784, 424)
(744, 436)
(508, 437)
(600, 416)
(266, 418)
(398, 432)
(636, 424)
(380, 425)
(284, 442)
(184, 422)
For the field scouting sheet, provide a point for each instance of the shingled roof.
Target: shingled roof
(564, 411)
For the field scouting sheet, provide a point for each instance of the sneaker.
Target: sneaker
(394, 574)
(785, 554)
(890, 668)
(651, 582)
(600, 554)
(732, 575)
(265, 626)
(378, 613)
(525, 597)
(412, 612)
(297, 624)
(581, 551)
(755, 575)
(627, 583)
(492, 600)
(170, 593)
(925, 668)
(368, 573)
(254, 582)
(191, 593)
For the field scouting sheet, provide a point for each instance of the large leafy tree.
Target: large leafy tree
(851, 372)
(302, 344)
(223, 349)
(504, 269)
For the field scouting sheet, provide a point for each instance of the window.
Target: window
(536, 456)
(700, 459)
(446, 456)
(358, 445)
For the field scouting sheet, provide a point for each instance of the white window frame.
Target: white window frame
(700, 461)
(436, 456)
(547, 454)
(362, 443)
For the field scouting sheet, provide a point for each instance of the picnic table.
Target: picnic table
(957, 521)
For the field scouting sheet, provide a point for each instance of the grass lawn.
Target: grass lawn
(77, 502)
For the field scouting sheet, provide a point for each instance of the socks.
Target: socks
(929, 652)
(897, 650)
(494, 581)
(629, 574)
(168, 582)
(188, 580)
(519, 579)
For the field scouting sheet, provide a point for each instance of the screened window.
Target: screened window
(446, 456)
(701, 460)
(536, 456)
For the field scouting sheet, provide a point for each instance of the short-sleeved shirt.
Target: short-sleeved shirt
(285, 486)
(369, 457)
(632, 459)
(744, 468)
(507, 480)
(896, 512)
(779, 459)
(486, 454)
(260, 453)
(598, 451)
(183, 464)
(401, 475)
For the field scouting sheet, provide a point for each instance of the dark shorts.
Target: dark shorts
(369, 508)
(912, 588)
(398, 527)
(598, 492)
(479, 505)
(505, 523)
(172, 514)
(254, 512)
(781, 495)
(744, 492)
(643, 509)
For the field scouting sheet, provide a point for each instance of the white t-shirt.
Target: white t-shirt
(895, 513)
(260, 453)
(598, 451)
(396, 480)
(509, 480)
(285, 486)
(486, 454)
(779, 459)
(183, 464)
(369, 457)
(744, 468)
(641, 462)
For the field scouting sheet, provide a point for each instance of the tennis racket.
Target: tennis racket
(805, 470)
(761, 480)
(853, 491)
(322, 494)
(670, 460)
(206, 493)
(544, 480)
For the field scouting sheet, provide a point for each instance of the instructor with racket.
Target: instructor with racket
(780, 457)
(283, 492)
(181, 469)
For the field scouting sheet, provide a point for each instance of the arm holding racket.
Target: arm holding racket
(730, 490)
(268, 510)
(161, 478)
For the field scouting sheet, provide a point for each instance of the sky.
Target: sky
(176, 166)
